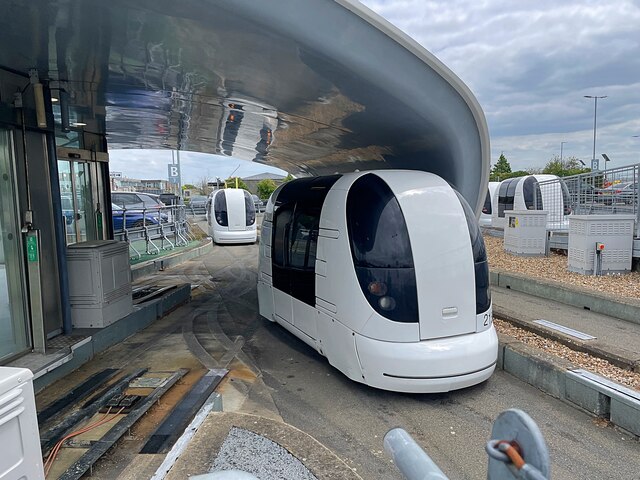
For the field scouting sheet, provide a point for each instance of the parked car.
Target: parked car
(628, 192)
(170, 199)
(198, 202)
(135, 218)
(259, 204)
(67, 209)
(623, 192)
(136, 201)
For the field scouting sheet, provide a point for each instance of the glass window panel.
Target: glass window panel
(13, 331)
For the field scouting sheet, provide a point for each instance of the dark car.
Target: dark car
(170, 199)
(198, 203)
(135, 218)
(259, 204)
(67, 209)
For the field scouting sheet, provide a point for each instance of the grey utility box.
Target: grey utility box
(614, 231)
(99, 283)
(525, 232)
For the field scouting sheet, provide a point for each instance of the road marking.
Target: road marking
(563, 329)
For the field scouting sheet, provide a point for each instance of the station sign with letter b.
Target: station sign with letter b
(174, 174)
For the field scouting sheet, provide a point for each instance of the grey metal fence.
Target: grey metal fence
(615, 191)
(150, 230)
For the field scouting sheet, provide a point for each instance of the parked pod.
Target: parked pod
(525, 193)
(485, 215)
(231, 216)
(385, 274)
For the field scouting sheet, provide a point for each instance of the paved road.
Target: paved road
(298, 385)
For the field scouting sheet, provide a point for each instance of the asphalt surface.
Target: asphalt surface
(296, 384)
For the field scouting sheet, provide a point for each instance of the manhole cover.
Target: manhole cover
(148, 382)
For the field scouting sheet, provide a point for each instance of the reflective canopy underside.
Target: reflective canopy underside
(311, 86)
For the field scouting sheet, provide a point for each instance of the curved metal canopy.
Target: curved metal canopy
(311, 86)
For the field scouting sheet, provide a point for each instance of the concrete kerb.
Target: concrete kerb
(152, 266)
(561, 379)
(558, 292)
(618, 359)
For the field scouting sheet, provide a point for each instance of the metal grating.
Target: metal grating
(565, 330)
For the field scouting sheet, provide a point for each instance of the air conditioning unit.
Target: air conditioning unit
(525, 232)
(613, 233)
(21, 456)
(99, 283)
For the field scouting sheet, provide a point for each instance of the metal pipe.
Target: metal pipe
(411, 460)
(595, 113)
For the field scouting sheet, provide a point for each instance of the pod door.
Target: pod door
(296, 222)
(236, 211)
(294, 259)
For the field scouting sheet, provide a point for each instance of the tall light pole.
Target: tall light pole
(561, 163)
(595, 113)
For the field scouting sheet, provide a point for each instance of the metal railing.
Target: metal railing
(607, 192)
(160, 229)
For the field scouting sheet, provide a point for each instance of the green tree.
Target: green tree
(518, 173)
(288, 178)
(265, 188)
(500, 170)
(231, 183)
(566, 167)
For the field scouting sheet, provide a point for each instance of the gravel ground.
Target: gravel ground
(249, 452)
(554, 267)
(583, 360)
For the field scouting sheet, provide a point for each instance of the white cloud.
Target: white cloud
(152, 164)
(530, 64)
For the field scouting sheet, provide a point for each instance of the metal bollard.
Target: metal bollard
(528, 458)
(411, 460)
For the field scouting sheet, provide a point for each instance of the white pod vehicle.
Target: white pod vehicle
(231, 216)
(384, 273)
(525, 193)
(485, 215)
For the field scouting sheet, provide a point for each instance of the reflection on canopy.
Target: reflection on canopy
(313, 87)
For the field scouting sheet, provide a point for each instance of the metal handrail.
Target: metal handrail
(166, 225)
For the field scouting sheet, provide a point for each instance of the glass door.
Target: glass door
(13, 322)
(77, 201)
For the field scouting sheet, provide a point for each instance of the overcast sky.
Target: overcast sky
(529, 63)
(153, 164)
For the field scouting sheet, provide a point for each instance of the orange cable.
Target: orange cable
(54, 452)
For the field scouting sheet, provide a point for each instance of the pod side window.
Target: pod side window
(381, 250)
(506, 195)
(483, 290)
(249, 209)
(531, 193)
(220, 209)
(486, 209)
(295, 236)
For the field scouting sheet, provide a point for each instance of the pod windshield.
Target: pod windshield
(381, 250)
(220, 209)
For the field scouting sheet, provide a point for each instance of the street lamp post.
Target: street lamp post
(561, 162)
(595, 113)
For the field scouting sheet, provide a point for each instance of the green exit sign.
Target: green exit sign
(32, 248)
